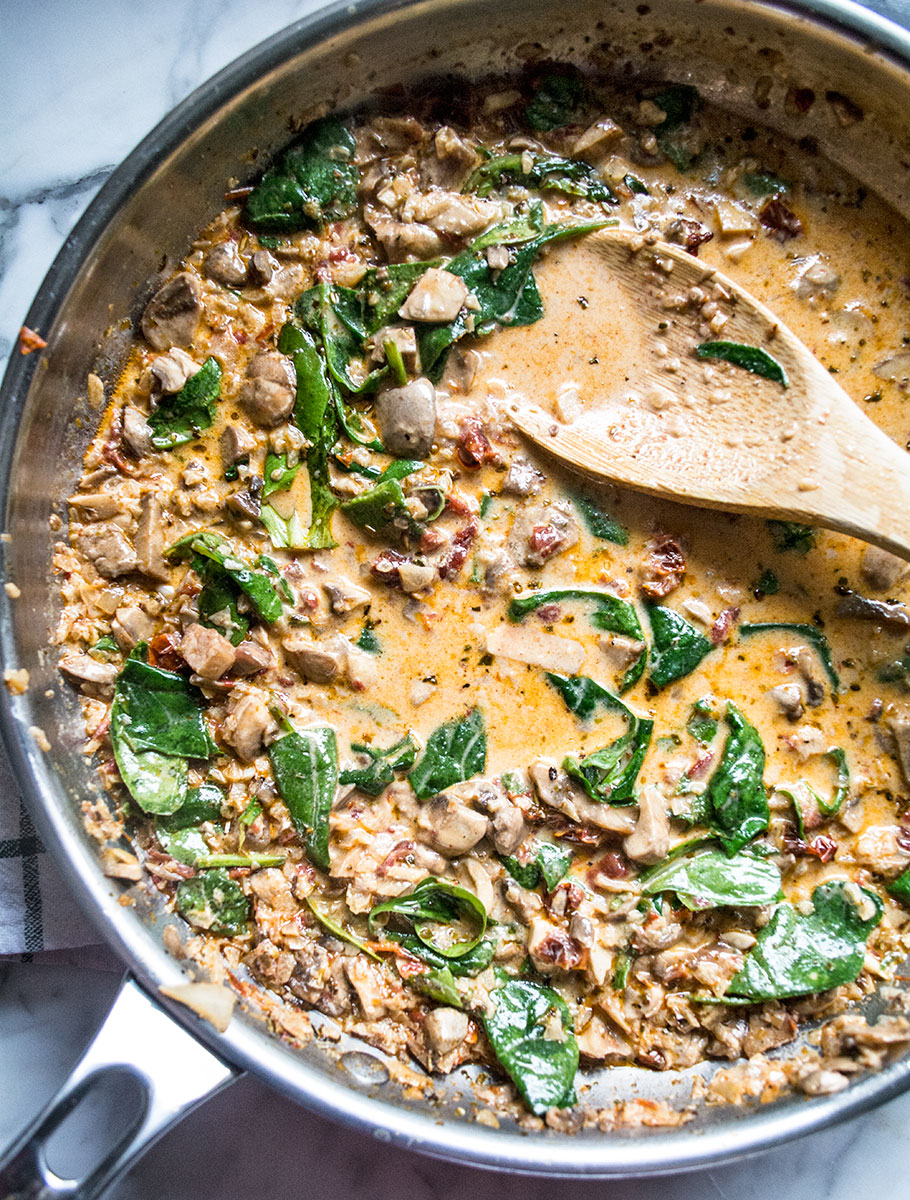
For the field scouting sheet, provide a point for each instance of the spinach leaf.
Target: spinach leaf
(608, 775)
(258, 587)
(277, 476)
(465, 966)
(790, 535)
(635, 185)
(104, 645)
(159, 711)
(713, 879)
(438, 911)
(521, 1034)
(896, 671)
(599, 523)
(809, 805)
(506, 298)
(339, 931)
(253, 861)
(305, 769)
(768, 583)
(334, 315)
(456, 751)
(184, 415)
(157, 782)
(750, 358)
(735, 802)
(379, 772)
(765, 183)
(548, 172)
(186, 845)
(439, 984)
(383, 512)
(369, 641)
(201, 804)
(678, 647)
(679, 102)
(701, 724)
(900, 888)
(313, 182)
(285, 533)
(213, 901)
(610, 613)
(218, 602)
(798, 954)
(808, 633)
(549, 865)
(556, 101)
(525, 223)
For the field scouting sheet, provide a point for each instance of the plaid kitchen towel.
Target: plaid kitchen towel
(37, 910)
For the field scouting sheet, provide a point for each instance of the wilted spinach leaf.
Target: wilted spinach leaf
(160, 711)
(520, 1030)
(599, 523)
(257, 586)
(548, 172)
(383, 512)
(677, 648)
(608, 775)
(218, 601)
(437, 911)
(184, 415)
(680, 102)
(790, 535)
(456, 751)
(213, 901)
(701, 723)
(378, 773)
(713, 879)
(735, 804)
(556, 101)
(548, 864)
(808, 633)
(610, 613)
(305, 769)
(313, 182)
(750, 358)
(798, 954)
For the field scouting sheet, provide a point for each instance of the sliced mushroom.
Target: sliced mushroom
(522, 479)
(317, 662)
(235, 444)
(880, 569)
(445, 1029)
(171, 317)
(169, 372)
(402, 240)
(248, 722)
(557, 791)
(150, 540)
(82, 668)
(97, 506)
(789, 699)
(131, 626)
(344, 596)
(815, 684)
(135, 432)
(406, 417)
(451, 827)
(269, 391)
(651, 840)
(250, 658)
(109, 549)
(224, 265)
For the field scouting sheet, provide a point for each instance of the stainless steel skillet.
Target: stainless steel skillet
(738, 53)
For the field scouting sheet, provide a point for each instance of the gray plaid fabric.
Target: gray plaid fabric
(37, 911)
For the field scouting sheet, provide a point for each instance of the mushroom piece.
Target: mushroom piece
(406, 417)
(522, 479)
(169, 372)
(269, 390)
(82, 668)
(235, 443)
(248, 721)
(171, 317)
(224, 265)
(250, 658)
(453, 160)
(438, 295)
(789, 699)
(557, 791)
(815, 685)
(319, 663)
(131, 626)
(880, 569)
(109, 549)
(206, 651)
(344, 596)
(402, 240)
(451, 214)
(445, 1029)
(135, 432)
(150, 540)
(451, 827)
(898, 725)
(651, 840)
(539, 532)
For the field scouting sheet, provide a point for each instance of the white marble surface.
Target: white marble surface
(81, 81)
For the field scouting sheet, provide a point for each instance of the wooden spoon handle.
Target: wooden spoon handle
(863, 484)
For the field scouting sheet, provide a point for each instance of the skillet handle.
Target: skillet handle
(138, 1039)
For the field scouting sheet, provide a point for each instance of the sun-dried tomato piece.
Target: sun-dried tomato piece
(29, 341)
(780, 221)
(456, 556)
(474, 447)
(663, 568)
(721, 628)
(385, 567)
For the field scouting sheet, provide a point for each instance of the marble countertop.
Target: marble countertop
(81, 81)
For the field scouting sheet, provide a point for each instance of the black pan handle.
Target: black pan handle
(139, 1039)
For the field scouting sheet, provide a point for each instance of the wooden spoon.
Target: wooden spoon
(707, 432)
